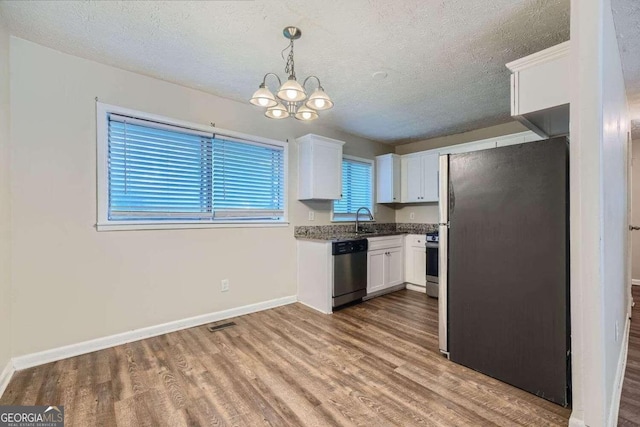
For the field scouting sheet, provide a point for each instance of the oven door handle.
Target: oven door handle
(430, 245)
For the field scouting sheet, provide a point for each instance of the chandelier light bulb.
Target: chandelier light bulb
(263, 97)
(319, 100)
(291, 94)
(306, 114)
(277, 112)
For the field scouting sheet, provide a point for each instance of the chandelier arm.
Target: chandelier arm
(304, 83)
(264, 80)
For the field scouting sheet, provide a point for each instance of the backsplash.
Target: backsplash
(336, 229)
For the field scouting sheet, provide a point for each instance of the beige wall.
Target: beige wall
(83, 284)
(635, 210)
(422, 212)
(5, 230)
(461, 138)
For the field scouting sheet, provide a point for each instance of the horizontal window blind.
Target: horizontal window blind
(158, 171)
(356, 189)
(162, 172)
(248, 180)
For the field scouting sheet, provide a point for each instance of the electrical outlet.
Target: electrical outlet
(617, 331)
(412, 215)
(224, 285)
(312, 216)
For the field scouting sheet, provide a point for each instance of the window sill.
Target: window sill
(186, 225)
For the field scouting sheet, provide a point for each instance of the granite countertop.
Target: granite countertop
(338, 237)
(342, 232)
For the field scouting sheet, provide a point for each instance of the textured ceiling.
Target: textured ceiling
(626, 15)
(444, 58)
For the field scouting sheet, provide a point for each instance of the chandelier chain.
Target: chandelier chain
(290, 66)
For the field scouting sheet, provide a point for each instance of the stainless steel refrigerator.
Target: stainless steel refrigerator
(504, 275)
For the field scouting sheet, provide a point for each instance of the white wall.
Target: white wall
(599, 125)
(615, 147)
(5, 219)
(83, 284)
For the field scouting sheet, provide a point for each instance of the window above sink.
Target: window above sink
(357, 189)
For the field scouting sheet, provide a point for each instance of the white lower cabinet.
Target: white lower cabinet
(385, 263)
(416, 260)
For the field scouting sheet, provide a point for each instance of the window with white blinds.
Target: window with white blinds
(357, 189)
(248, 180)
(164, 173)
(158, 171)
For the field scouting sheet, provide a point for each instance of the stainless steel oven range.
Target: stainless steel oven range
(432, 264)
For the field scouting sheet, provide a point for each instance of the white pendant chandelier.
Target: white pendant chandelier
(291, 99)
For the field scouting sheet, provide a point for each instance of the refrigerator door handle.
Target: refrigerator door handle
(443, 252)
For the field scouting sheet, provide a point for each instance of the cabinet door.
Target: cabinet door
(394, 267)
(417, 265)
(414, 177)
(388, 178)
(375, 270)
(327, 171)
(431, 178)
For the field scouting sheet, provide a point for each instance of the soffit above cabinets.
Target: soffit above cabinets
(443, 60)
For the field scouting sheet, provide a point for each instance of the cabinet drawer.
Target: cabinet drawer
(415, 240)
(385, 242)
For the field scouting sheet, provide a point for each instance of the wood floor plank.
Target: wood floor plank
(629, 414)
(372, 364)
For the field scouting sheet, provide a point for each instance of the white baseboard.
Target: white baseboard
(635, 282)
(619, 380)
(47, 356)
(5, 376)
(417, 288)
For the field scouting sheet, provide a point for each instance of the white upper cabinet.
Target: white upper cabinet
(419, 177)
(388, 178)
(540, 90)
(319, 168)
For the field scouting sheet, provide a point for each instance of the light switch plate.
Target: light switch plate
(312, 216)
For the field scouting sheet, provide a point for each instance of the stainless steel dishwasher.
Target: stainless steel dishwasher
(349, 271)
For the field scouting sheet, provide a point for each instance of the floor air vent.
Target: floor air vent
(216, 328)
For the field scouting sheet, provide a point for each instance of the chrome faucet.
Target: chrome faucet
(358, 215)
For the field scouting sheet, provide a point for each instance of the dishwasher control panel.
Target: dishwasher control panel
(349, 246)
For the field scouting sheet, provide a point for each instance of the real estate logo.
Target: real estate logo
(31, 416)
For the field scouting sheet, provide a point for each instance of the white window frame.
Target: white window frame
(103, 222)
(373, 203)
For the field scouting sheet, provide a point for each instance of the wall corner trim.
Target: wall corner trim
(619, 380)
(575, 421)
(55, 354)
(5, 376)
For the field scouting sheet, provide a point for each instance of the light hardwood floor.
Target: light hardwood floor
(630, 401)
(373, 364)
